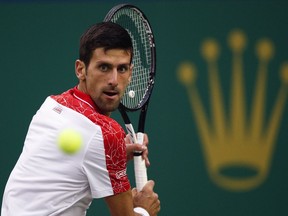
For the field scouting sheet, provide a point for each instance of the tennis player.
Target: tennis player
(46, 181)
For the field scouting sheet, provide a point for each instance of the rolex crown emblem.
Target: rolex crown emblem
(242, 135)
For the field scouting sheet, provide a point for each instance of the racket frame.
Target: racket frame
(139, 163)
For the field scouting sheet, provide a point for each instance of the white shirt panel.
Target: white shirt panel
(68, 182)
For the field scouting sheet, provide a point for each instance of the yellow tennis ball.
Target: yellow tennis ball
(70, 141)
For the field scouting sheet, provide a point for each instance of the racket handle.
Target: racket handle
(140, 167)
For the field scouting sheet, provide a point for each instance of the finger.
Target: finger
(145, 140)
(145, 157)
(127, 139)
(134, 192)
(147, 162)
(145, 153)
(135, 147)
(156, 206)
(129, 148)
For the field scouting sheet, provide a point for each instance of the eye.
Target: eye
(123, 68)
(104, 67)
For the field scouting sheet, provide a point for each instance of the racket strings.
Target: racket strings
(140, 82)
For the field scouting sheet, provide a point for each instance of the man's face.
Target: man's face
(106, 78)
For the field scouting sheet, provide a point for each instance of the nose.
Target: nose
(113, 79)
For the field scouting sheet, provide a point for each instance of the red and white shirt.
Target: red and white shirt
(46, 181)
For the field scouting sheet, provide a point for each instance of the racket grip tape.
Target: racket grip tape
(140, 172)
(139, 166)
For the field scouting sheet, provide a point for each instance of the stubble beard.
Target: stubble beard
(107, 106)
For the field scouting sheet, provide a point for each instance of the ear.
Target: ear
(80, 70)
(131, 71)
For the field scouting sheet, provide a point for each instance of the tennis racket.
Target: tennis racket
(139, 90)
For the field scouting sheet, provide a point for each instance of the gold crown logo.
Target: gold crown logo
(230, 140)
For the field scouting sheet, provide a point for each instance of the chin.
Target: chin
(110, 108)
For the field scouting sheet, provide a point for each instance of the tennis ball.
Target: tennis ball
(70, 141)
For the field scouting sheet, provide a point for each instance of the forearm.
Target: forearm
(121, 204)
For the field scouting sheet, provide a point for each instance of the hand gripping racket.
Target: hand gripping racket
(139, 90)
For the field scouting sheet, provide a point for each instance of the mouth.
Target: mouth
(111, 94)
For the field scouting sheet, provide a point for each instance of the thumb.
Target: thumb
(149, 186)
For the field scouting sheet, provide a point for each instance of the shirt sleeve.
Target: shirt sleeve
(105, 164)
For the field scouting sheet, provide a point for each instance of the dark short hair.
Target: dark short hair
(107, 35)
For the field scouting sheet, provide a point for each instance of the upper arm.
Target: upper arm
(121, 204)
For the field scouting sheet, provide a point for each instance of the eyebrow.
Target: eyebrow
(100, 62)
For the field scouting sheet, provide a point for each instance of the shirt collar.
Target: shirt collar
(84, 98)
